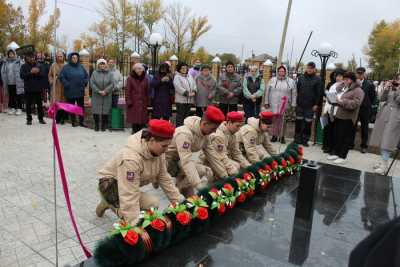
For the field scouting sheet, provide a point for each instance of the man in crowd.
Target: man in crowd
(366, 107)
(229, 89)
(189, 138)
(255, 133)
(224, 155)
(34, 76)
(308, 96)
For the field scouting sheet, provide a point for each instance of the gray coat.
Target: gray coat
(206, 87)
(10, 74)
(386, 133)
(276, 89)
(229, 84)
(101, 81)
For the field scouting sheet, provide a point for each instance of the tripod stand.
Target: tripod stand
(396, 154)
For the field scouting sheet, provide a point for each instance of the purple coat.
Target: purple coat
(137, 99)
(163, 91)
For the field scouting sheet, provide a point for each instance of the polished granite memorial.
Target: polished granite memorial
(312, 222)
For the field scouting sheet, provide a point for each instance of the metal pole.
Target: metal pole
(282, 46)
(54, 146)
(304, 50)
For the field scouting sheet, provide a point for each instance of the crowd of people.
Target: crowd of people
(346, 102)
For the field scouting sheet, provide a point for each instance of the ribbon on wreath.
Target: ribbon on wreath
(52, 114)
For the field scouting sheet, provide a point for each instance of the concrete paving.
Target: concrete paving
(27, 236)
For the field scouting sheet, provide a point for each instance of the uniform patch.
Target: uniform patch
(185, 145)
(130, 176)
(220, 148)
(252, 141)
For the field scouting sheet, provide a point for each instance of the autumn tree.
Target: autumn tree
(201, 54)
(102, 32)
(183, 29)
(41, 36)
(152, 12)
(12, 25)
(225, 57)
(383, 49)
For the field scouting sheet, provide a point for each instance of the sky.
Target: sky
(256, 25)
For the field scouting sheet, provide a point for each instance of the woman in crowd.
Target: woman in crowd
(137, 98)
(12, 83)
(386, 133)
(206, 89)
(57, 93)
(185, 92)
(348, 104)
(162, 93)
(74, 78)
(334, 87)
(102, 84)
(277, 88)
(253, 90)
(118, 82)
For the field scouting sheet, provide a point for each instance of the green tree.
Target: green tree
(225, 57)
(383, 49)
(202, 55)
(12, 24)
(152, 12)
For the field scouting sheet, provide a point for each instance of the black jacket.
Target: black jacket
(308, 91)
(33, 83)
(369, 94)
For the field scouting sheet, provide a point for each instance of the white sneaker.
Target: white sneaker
(332, 157)
(11, 111)
(340, 161)
(18, 112)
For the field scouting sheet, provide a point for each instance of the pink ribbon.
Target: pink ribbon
(283, 105)
(52, 114)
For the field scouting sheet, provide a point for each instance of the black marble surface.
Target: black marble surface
(348, 204)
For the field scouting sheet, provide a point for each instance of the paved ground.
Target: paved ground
(27, 236)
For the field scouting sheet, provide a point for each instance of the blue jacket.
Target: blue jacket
(74, 78)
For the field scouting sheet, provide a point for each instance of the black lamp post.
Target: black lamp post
(155, 42)
(324, 52)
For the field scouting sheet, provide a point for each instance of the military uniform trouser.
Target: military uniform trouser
(261, 151)
(108, 188)
(182, 182)
(235, 170)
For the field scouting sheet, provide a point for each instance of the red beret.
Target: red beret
(161, 128)
(235, 116)
(266, 115)
(214, 114)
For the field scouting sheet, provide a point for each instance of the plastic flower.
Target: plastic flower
(241, 198)
(131, 237)
(221, 208)
(184, 217)
(158, 224)
(202, 213)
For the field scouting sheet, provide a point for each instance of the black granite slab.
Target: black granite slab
(346, 206)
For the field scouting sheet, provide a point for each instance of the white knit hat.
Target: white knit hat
(101, 60)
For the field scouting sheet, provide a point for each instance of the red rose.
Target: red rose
(268, 168)
(231, 205)
(284, 163)
(221, 208)
(241, 198)
(274, 164)
(158, 224)
(202, 213)
(247, 176)
(183, 217)
(131, 237)
(228, 187)
(250, 193)
(264, 185)
(291, 160)
(300, 150)
(214, 190)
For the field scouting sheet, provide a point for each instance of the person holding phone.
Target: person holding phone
(386, 133)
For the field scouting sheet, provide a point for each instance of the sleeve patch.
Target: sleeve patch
(130, 176)
(185, 145)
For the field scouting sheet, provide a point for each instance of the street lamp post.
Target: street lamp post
(324, 52)
(155, 42)
(174, 61)
(216, 62)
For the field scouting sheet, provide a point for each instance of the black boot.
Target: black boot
(73, 121)
(104, 122)
(96, 122)
(282, 139)
(298, 135)
(274, 139)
